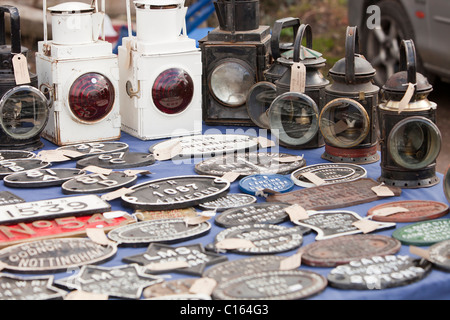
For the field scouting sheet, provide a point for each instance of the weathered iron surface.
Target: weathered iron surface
(329, 173)
(231, 200)
(378, 273)
(338, 195)
(342, 250)
(118, 160)
(89, 149)
(98, 183)
(418, 210)
(28, 288)
(439, 255)
(271, 285)
(424, 233)
(19, 165)
(15, 154)
(171, 289)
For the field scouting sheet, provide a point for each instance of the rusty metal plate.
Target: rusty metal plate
(83, 150)
(250, 163)
(418, 210)
(28, 288)
(377, 273)
(439, 255)
(424, 233)
(272, 285)
(169, 289)
(98, 183)
(61, 227)
(333, 196)
(15, 154)
(118, 160)
(161, 231)
(52, 255)
(40, 178)
(8, 167)
(329, 173)
(342, 250)
(231, 200)
(242, 267)
(127, 281)
(7, 197)
(264, 212)
(165, 214)
(208, 145)
(53, 208)
(257, 183)
(159, 254)
(265, 239)
(331, 224)
(175, 192)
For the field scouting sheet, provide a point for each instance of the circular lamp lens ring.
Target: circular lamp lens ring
(293, 118)
(344, 123)
(173, 91)
(230, 82)
(91, 97)
(260, 98)
(414, 143)
(24, 112)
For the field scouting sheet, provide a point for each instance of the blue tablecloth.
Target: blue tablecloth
(435, 286)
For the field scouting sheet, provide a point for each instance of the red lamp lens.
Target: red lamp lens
(173, 91)
(91, 97)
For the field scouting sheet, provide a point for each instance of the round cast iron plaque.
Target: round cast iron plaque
(424, 233)
(94, 148)
(271, 285)
(258, 182)
(39, 178)
(208, 145)
(8, 167)
(16, 154)
(418, 210)
(250, 163)
(161, 231)
(342, 250)
(231, 200)
(175, 192)
(264, 212)
(329, 173)
(378, 273)
(440, 255)
(118, 160)
(243, 267)
(332, 224)
(266, 238)
(98, 183)
(51, 255)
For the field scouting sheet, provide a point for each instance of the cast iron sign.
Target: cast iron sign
(40, 178)
(231, 200)
(98, 183)
(118, 160)
(19, 165)
(257, 183)
(28, 288)
(82, 150)
(328, 173)
(424, 233)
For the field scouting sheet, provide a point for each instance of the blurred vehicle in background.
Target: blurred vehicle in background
(426, 22)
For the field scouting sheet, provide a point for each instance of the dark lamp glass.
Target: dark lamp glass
(414, 142)
(293, 118)
(230, 83)
(24, 112)
(91, 97)
(172, 91)
(344, 123)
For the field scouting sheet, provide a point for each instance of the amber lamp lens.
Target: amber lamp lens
(24, 112)
(173, 91)
(91, 97)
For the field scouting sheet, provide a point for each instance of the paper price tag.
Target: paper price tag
(203, 286)
(83, 295)
(20, 66)
(292, 262)
(71, 153)
(116, 194)
(132, 173)
(296, 212)
(384, 212)
(314, 178)
(298, 77)
(233, 243)
(193, 221)
(98, 170)
(264, 142)
(383, 191)
(406, 98)
(289, 159)
(365, 225)
(167, 265)
(168, 152)
(98, 236)
(231, 176)
(52, 156)
(423, 253)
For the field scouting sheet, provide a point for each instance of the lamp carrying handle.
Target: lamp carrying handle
(278, 27)
(351, 48)
(408, 60)
(15, 28)
(305, 29)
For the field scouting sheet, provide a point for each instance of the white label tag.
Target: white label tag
(231, 176)
(298, 77)
(98, 236)
(264, 142)
(171, 150)
(366, 225)
(20, 66)
(314, 178)
(383, 191)
(384, 212)
(296, 212)
(98, 170)
(406, 98)
(116, 194)
(203, 286)
(234, 243)
(292, 262)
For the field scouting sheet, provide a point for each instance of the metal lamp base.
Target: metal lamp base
(32, 146)
(409, 180)
(357, 156)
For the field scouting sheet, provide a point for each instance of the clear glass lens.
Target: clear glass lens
(91, 97)
(344, 123)
(259, 100)
(230, 83)
(173, 91)
(24, 112)
(414, 143)
(294, 118)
